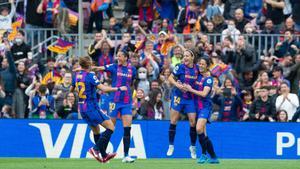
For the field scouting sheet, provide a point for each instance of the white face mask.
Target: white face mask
(18, 41)
(249, 30)
(142, 75)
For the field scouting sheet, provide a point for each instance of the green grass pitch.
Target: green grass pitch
(38, 163)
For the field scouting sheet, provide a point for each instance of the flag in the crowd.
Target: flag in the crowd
(61, 47)
(15, 26)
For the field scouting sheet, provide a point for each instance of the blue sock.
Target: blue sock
(202, 141)
(193, 135)
(126, 140)
(172, 132)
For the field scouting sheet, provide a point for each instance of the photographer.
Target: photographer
(230, 103)
(262, 108)
(42, 104)
(69, 108)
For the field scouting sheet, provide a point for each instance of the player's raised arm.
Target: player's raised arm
(111, 89)
(98, 68)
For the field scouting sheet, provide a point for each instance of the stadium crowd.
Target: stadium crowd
(248, 86)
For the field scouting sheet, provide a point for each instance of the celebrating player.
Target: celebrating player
(122, 74)
(203, 103)
(86, 84)
(182, 101)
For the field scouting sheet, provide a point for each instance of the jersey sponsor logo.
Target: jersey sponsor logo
(124, 74)
(190, 77)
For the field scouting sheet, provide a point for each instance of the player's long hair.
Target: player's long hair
(85, 62)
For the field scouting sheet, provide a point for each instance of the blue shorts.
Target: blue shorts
(93, 114)
(183, 105)
(122, 108)
(204, 114)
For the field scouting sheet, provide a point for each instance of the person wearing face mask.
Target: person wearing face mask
(231, 31)
(143, 82)
(20, 50)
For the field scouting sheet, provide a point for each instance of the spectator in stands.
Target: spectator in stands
(278, 76)
(187, 18)
(246, 80)
(216, 7)
(146, 12)
(20, 50)
(68, 110)
(20, 99)
(229, 102)
(287, 101)
(102, 49)
(154, 106)
(42, 104)
(267, 40)
(126, 43)
(294, 75)
(60, 90)
(114, 26)
(177, 55)
(52, 75)
(286, 64)
(188, 42)
(149, 53)
(290, 45)
(32, 90)
(8, 77)
(282, 116)
(166, 91)
(6, 17)
(127, 25)
(240, 20)
(231, 31)
(247, 103)
(274, 11)
(262, 108)
(209, 27)
(246, 59)
(231, 6)
(228, 51)
(139, 104)
(289, 26)
(98, 8)
(34, 20)
(262, 81)
(219, 23)
(296, 14)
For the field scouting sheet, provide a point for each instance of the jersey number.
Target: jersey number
(112, 106)
(177, 100)
(80, 87)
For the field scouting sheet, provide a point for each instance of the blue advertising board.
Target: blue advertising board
(72, 139)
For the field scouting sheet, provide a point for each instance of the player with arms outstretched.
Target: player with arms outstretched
(122, 74)
(86, 84)
(203, 104)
